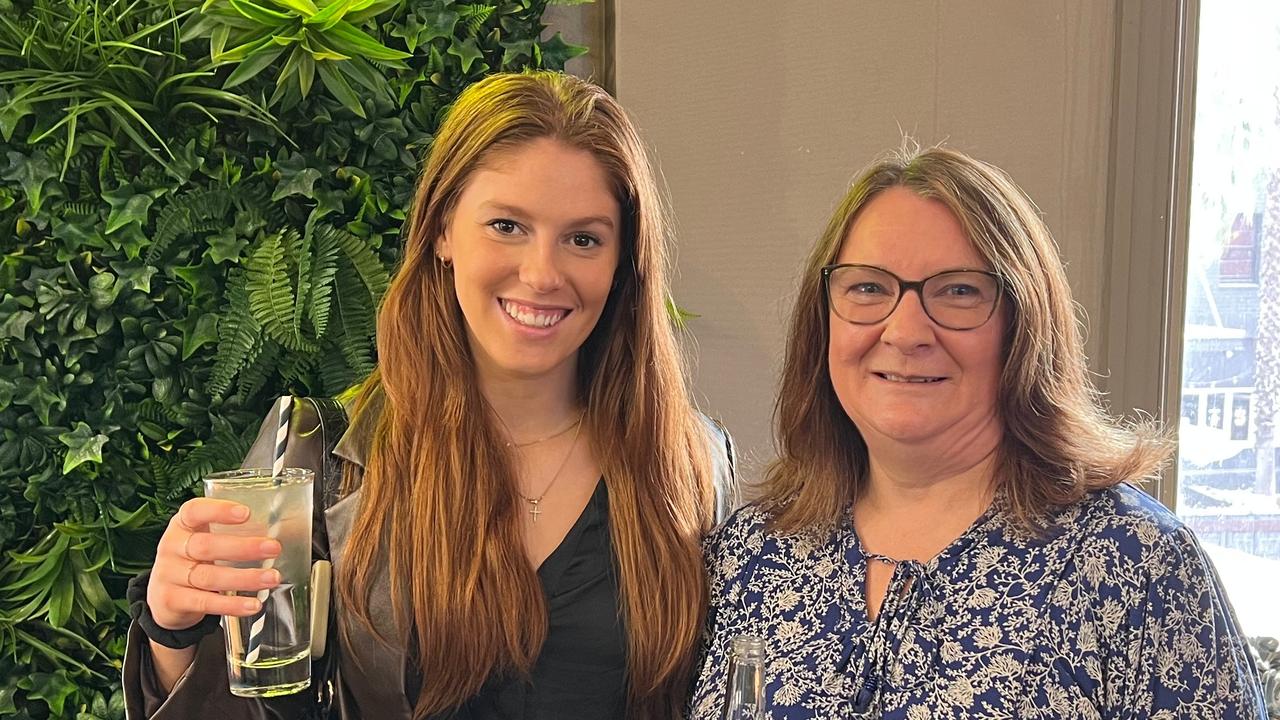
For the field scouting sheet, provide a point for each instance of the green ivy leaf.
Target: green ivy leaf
(199, 278)
(411, 31)
(130, 239)
(438, 22)
(556, 52)
(79, 232)
(225, 246)
(164, 390)
(15, 324)
(10, 113)
(136, 275)
(53, 688)
(513, 51)
(297, 183)
(127, 207)
(196, 331)
(40, 398)
(84, 446)
(467, 52)
(31, 173)
(6, 699)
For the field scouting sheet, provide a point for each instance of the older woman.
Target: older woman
(952, 529)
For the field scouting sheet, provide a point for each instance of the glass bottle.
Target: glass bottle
(744, 699)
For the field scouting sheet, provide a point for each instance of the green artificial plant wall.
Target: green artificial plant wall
(199, 206)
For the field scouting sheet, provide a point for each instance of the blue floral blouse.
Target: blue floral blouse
(1114, 612)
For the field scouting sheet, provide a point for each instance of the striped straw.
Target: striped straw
(283, 413)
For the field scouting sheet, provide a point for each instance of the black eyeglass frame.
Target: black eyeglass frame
(917, 286)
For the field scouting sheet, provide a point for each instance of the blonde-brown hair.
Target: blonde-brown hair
(439, 503)
(1059, 441)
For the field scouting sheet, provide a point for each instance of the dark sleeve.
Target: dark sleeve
(204, 691)
(1192, 661)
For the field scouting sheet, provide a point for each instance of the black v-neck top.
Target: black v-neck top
(581, 672)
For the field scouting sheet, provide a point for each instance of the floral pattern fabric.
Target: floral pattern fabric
(1114, 611)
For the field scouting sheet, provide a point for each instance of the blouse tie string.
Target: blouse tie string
(900, 602)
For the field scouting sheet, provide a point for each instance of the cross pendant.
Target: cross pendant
(535, 511)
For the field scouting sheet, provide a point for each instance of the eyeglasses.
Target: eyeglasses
(955, 299)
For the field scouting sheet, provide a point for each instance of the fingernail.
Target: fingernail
(240, 513)
(251, 604)
(270, 547)
(271, 576)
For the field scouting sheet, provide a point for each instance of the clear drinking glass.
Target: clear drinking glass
(269, 654)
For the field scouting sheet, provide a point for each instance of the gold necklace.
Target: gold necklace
(535, 511)
(552, 436)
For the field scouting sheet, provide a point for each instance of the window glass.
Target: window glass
(1229, 488)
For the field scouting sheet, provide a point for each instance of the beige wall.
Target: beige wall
(761, 112)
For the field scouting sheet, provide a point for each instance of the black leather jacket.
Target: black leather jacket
(363, 674)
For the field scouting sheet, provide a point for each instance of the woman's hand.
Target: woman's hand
(185, 583)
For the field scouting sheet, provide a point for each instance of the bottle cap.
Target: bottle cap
(748, 647)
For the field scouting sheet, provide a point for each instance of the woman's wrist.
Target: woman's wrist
(168, 665)
(176, 639)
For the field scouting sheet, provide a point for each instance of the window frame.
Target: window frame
(1149, 196)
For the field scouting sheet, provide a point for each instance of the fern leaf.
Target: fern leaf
(174, 220)
(252, 213)
(355, 323)
(257, 368)
(302, 280)
(223, 451)
(322, 273)
(297, 370)
(366, 263)
(161, 468)
(274, 214)
(238, 331)
(82, 209)
(152, 411)
(193, 212)
(271, 293)
(475, 15)
(335, 374)
(86, 185)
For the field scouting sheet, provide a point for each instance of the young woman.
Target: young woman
(527, 482)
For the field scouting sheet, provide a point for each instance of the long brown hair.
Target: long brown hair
(1059, 441)
(439, 504)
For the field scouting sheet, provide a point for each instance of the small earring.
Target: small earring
(446, 262)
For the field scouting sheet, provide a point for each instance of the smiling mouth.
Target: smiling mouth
(531, 316)
(917, 379)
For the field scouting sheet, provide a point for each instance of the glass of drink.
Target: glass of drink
(269, 654)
